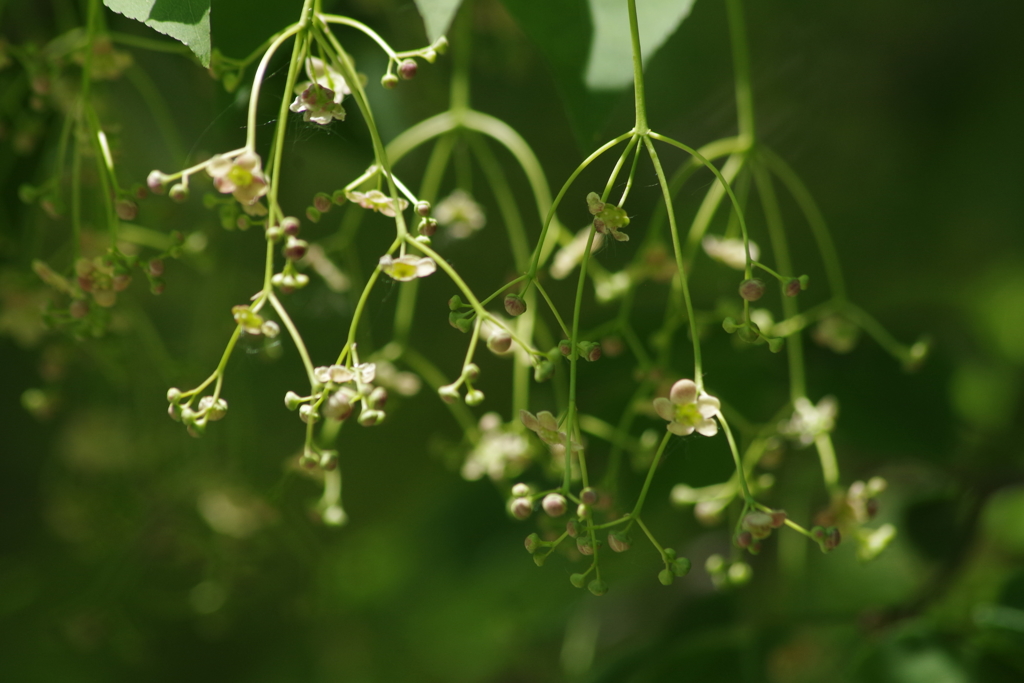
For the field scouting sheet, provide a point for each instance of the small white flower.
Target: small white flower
(241, 177)
(501, 452)
(363, 373)
(809, 420)
(407, 268)
(318, 104)
(729, 251)
(459, 214)
(687, 412)
(375, 200)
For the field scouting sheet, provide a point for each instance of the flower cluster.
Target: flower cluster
(809, 420)
(459, 214)
(501, 452)
(608, 218)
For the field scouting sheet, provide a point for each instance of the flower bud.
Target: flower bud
(308, 460)
(590, 351)
(449, 393)
(539, 558)
(584, 545)
(778, 518)
(572, 527)
(339, 406)
(474, 397)
(544, 371)
(274, 233)
(292, 400)
(565, 348)
(378, 398)
(155, 267)
(500, 342)
(290, 226)
(618, 542)
(179, 192)
(423, 207)
(173, 394)
(759, 524)
(313, 214)
(301, 280)
(427, 227)
(578, 580)
(598, 587)
(775, 344)
(521, 508)
(430, 56)
(329, 460)
(554, 504)
(369, 418)
(681, 566)
(389, 81)
(334, 516)
(532, 543)
(471, 371)
(520, 490)
(155, 181)
(752, 289)
(514, 305)
(455, 303)
(295, 249)
(126, 209)
(792, 287)
(322, 202)
(440, 45)
(744, 539)
(270, 329)
(588, 496)
(750, 332)
(407, 69)
(582, 510)
(832, 539)
(307, 414)
(729, 325)
(174, 411)
(666, 577)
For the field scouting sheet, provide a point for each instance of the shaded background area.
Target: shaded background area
(129, 551)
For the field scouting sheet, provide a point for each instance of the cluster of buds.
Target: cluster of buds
(253, 323)
(342, 388)
(209, 409)
(450, 393)
(608, 218)
(103, 279)
(757, 526)
(407, 66)
(589, 351)
(750, 331)
(674, 567)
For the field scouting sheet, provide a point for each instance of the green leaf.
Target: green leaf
(610, 64)
(437, 15)
(587, 46)
(187, 21)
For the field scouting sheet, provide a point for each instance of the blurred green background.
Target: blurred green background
(130, 551)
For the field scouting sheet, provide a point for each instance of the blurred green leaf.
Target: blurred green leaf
(437, 15)
(187, 21)
(610, 65)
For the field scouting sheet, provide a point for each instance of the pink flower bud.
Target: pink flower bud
(752, 289)
(554, 504)
(408, 69)
(521, 508)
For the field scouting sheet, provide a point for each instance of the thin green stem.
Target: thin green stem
(736, 459)
(650, 476)
(551, 305)
(638, 71)
(698, 375)
(741, 68)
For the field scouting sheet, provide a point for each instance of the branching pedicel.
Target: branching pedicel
(499, 449)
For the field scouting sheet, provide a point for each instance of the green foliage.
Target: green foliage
(187, 21)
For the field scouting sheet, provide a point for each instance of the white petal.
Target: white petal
(707, 428)
(684, 391)
(679, 428)
(340, 374)
(708, 406)
(322, 374)
(425, 267)
(367, 372)
(664, 408)
(529, 420)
